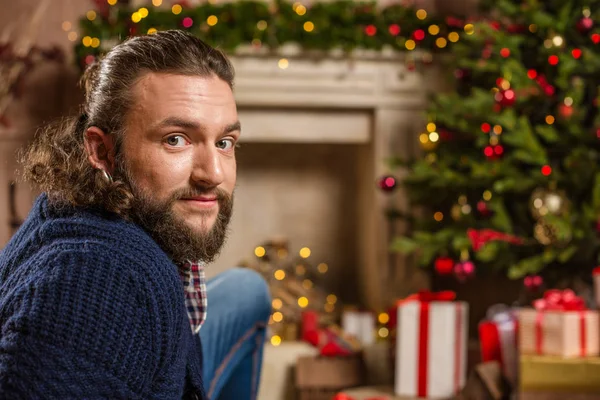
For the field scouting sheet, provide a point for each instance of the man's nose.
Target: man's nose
(208, 168)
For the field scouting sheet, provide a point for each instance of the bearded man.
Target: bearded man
(102, 290)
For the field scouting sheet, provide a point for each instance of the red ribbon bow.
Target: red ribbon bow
(426, 296)
(560, 300)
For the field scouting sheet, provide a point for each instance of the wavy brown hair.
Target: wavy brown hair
(56, 160)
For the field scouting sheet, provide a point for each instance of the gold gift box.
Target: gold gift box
(558, 374)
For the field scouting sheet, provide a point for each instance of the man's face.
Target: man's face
(178, 156)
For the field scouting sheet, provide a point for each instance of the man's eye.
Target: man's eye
(226, 144)
(176, 141)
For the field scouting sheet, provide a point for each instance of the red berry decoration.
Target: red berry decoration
(464, 270)
(565, 111)
(533, 283)
(387, 183)
(444, 265)
(483, 209)
(585, 25)
(506, 98)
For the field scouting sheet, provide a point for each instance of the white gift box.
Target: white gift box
(360, 324)
(431, 348)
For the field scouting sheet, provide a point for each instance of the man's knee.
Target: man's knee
(253, 291)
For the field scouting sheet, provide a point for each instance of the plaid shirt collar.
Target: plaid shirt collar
(194, 285)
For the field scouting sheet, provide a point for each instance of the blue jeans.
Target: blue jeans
(239, 306)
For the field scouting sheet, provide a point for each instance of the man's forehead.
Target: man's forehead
(157, 96)
(153, 83)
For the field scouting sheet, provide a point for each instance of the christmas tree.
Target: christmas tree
(508, 179)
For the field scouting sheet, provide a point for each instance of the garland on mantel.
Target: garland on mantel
(343, 25)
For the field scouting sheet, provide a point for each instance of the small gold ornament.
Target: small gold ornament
(456, 212)
(548, 202)
(548, 235)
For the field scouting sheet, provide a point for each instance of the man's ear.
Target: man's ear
(100, 148)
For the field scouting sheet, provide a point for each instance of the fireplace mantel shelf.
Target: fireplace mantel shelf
(327, 82)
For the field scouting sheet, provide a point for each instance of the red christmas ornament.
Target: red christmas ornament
(387, 183)
(444, 265)
(596, 38)
(187, 22)
(516, 28)
(505, 52)
(576, 53)
(533, 283)
(464, 270)
(418, 35)
(549, 90)
(546, 170)
(488, 151)
(585, 25)
(445, 135)
(370, 30)
(495, 25)
(394, 29)
(482, 207)
(565, 111)
(532, 74)
(485, 127)
(506, 98)
(553, 59)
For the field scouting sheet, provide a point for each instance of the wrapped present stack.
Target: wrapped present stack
(559, 344)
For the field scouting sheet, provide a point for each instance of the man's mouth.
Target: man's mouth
(201, 201)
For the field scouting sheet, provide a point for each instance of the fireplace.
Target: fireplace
(315, 139)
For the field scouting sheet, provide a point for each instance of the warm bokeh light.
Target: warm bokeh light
(212, 20)
(279, 274)
(277, 316)
(277, 304)
(303, 302)
(260, 251)
(261, 25)
(275, 340)
(322, 268)
(304, 252)
(383, 318)
(283, 63)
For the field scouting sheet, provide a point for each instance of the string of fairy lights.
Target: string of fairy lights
(279, 270)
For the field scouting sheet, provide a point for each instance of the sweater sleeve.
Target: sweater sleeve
(80, 326)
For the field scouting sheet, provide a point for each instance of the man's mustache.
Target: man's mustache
(220, 194)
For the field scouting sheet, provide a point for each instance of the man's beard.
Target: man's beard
(180, 241)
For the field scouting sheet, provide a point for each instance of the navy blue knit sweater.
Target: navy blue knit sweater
(91, 307)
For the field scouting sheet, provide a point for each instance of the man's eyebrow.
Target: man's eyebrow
(236, 126)
(177, 122)
(187, 124)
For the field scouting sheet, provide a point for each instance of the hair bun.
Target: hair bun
(89, 78)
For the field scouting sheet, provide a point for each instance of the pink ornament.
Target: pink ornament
(464, 270)
(533, 283)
